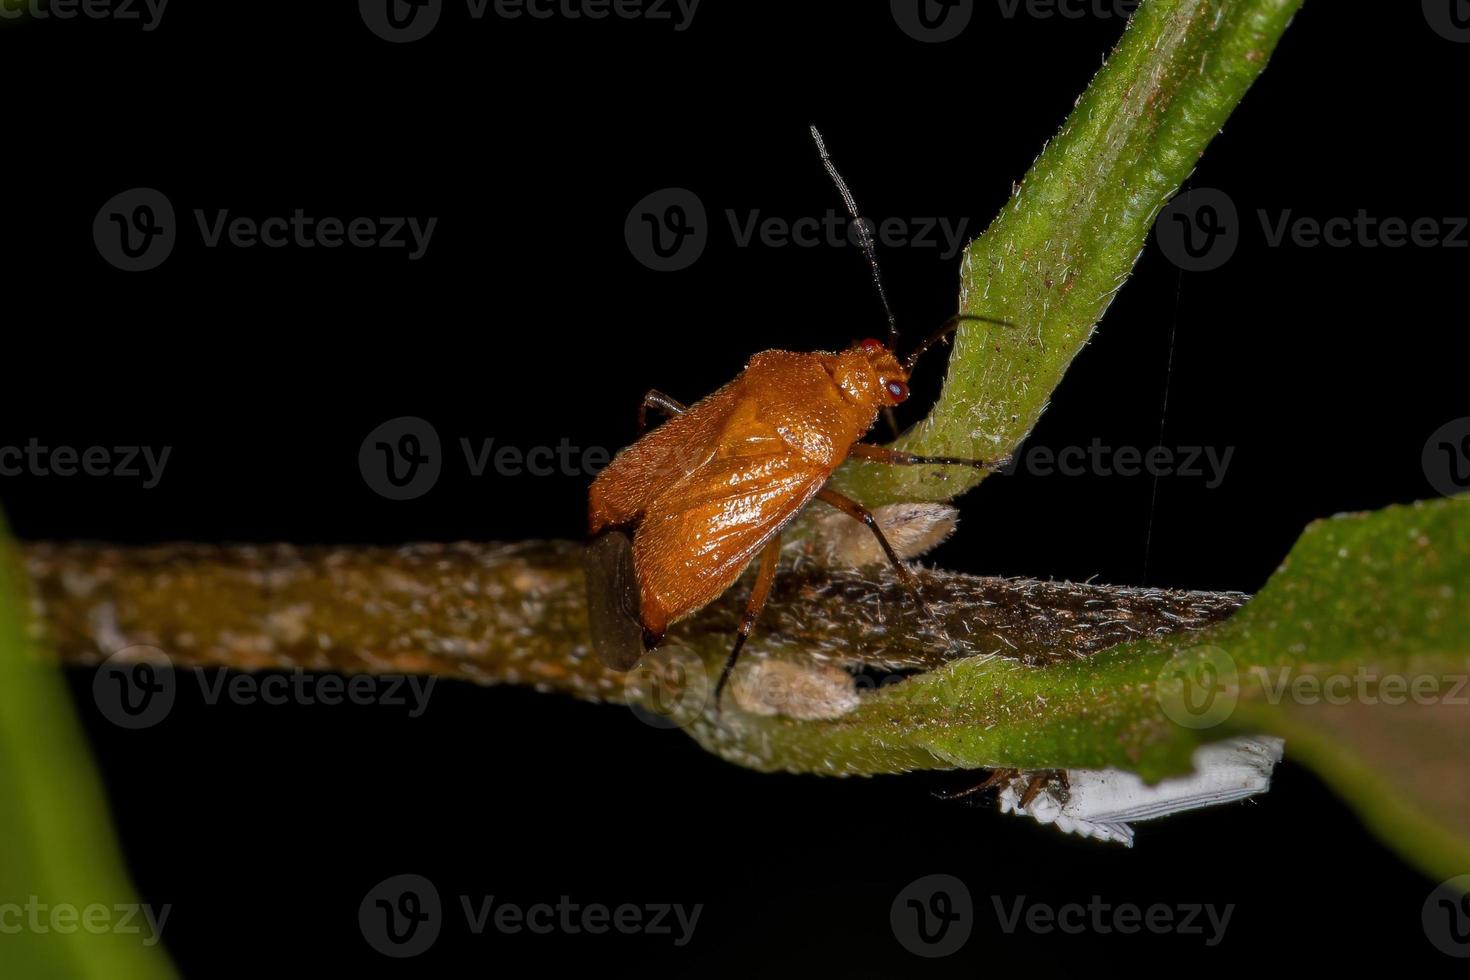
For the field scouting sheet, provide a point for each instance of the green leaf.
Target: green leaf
(60, 857)
(1357, 650)
(1050, 265)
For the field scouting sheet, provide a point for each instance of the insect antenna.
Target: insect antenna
(943, 333)
(864, 236)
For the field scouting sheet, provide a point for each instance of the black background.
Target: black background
(529, 321)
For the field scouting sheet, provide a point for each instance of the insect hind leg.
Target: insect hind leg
(662, 402)
(765, 574)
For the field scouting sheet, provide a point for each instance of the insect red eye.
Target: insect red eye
(898, 390)
(872, 346)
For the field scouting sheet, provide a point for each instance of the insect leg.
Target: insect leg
(996, 778)
(858, 512)
(765, 574)
(895, 457)
(662, 402)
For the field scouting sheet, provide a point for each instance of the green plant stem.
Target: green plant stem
(1056, 256)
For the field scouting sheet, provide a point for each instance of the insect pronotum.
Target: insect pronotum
(714, 486)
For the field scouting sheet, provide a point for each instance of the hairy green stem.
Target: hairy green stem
(1053, 260)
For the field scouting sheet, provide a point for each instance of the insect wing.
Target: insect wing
(663, 457)
(612, 601)
(699, 534)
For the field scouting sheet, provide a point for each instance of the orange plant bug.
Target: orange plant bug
(677, 516)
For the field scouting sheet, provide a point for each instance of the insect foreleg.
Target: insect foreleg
(662, 402)
(895, 457)
(858, 512)
(765, 574)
